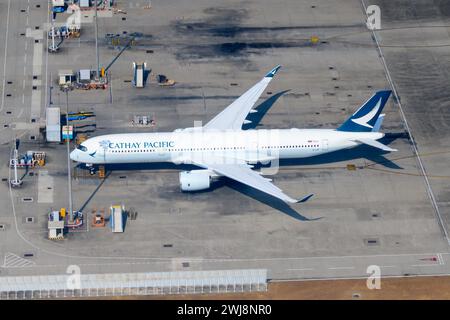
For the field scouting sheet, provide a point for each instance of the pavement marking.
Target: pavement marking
(388, 266)
(6, 53)
(425, 265)
(12, 260)
(341, 268)
(300, 269)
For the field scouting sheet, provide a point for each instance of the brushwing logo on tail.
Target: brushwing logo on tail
(363, 121)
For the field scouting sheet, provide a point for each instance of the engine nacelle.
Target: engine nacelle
(195, 180)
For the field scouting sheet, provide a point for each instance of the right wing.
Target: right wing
(233, 116)
(242, 173)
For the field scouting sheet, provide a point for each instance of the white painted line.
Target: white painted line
(425, 265)
(26, 45)
(301, 269)
(440, 259)
(25, 58)
(388, 266)
(341, 268)
(6, 53)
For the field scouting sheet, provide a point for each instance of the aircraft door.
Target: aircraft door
(324, 144)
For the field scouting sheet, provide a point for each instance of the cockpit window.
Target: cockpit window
(82, 148)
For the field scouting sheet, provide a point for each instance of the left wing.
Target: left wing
(242, 173)
(233, 116)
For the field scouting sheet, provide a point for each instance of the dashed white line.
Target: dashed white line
(425, 265)
(440, 259)
(388, 266)
(341, 268)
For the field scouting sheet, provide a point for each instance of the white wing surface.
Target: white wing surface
(233, 116)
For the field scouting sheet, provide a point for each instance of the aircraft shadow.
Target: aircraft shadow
(262, 109)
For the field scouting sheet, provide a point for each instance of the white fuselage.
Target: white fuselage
(193, 143)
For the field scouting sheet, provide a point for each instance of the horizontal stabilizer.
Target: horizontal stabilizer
(375, 144)
(378, 123)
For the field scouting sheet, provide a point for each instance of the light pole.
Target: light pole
(96, 41)
(66, 89)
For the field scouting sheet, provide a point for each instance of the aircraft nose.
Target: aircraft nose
(74, 155)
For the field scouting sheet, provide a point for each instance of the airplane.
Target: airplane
(222, 148)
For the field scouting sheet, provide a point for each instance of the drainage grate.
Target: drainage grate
(29, 219)
(351, 167)
(27, 199)
(372, 242)
(149, 51)
(2, 227)
(233, 84)
(185, 264)
(168, 245)
(28, 255)
(122, 177)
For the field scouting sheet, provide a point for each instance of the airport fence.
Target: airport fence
(133, 284)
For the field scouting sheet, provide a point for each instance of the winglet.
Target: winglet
(272, 72)
(305, 198)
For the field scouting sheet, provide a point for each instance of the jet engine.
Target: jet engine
(195, 180)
